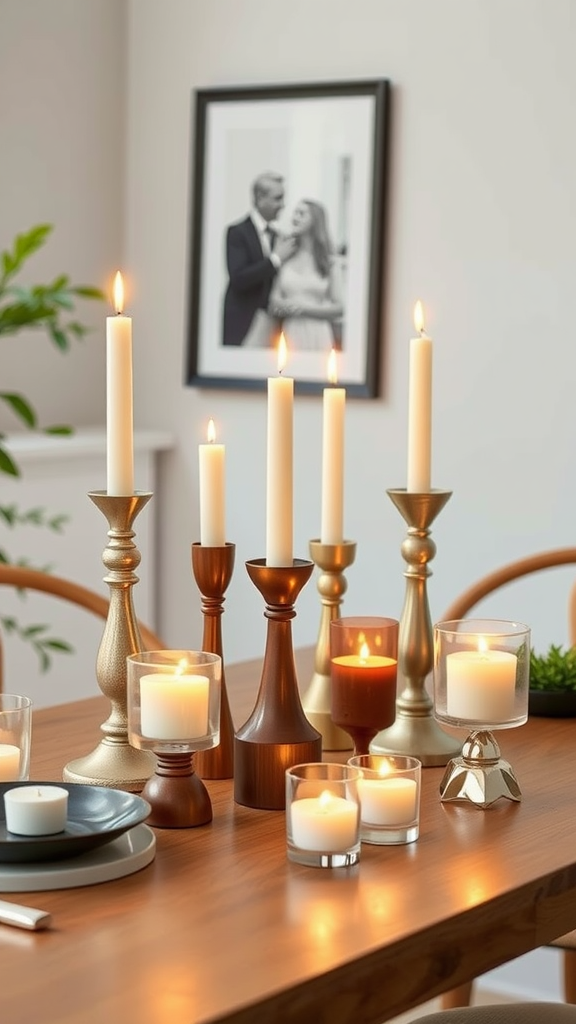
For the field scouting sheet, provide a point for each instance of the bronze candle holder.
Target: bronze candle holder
(332, 560)
(277, 734)
(415, 730)
(114, 762)
(212, 568)
(176, 794)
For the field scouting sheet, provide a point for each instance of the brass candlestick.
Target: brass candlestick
(115, 762)
(415, 730)
(212, 569)
(331, 559)
(277, 735)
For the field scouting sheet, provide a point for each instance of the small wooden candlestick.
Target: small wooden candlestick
(277, 735)
(212, 568)
(177, 796)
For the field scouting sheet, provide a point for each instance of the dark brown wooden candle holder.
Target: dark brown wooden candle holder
(177, 796)
(277, 734)
(212, 568)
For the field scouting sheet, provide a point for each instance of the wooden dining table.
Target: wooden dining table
(222, 927)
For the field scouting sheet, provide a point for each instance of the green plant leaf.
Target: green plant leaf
(7, 464)
(20, 406)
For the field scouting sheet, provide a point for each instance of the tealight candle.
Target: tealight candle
(326, 824)
(36, 810)
(9, 762)
(388, 801)
(174, 706)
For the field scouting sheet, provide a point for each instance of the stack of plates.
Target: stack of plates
(104, 839)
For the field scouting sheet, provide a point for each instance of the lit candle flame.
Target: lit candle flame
(118, 292)
(364, 652)
(332, 367)
(482, 645)
(181, 667)
(211, 431)
(419, 317)
(384, 769)
(324, 801)
(282, 353)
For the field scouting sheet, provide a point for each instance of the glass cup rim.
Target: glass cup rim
(411, 763)
(169, 658)
(348, 772)
(482, 627)
(21, 702)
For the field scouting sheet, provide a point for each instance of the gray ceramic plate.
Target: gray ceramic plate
(96, 815)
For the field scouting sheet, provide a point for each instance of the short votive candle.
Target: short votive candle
(323, 815)
(36, 810)
(389, 790)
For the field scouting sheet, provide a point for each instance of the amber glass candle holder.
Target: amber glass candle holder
(364, 663)
(481, 683)
(174, 711)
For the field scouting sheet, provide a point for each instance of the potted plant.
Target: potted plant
(553, 682)
(48, 308)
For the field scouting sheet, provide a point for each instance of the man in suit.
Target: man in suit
(254, 253)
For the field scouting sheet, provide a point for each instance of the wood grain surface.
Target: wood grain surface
(222, 927)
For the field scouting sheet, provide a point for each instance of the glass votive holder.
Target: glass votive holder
(389, 790)
(15, 736)
(174, 710)
(363, 671)
(481, 673)
(174, 700)
(323, 815)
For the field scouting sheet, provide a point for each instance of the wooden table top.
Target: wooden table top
(222, 927)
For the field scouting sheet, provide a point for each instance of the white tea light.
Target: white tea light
(388, 801)
(36, 810)
(327, 824)
(9, 762)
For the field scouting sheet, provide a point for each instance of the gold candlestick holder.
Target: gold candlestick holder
(114, 762)
(277, 735)
(332, 560)
(212, 568)
(415, 731)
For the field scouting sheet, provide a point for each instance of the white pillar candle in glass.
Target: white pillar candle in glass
(211, 461)
(36, 810)
(419, 407)
(119, 414)
(388, 801)
(480, 685)
(174, 706)
(9, 762)
(327, 824)
(333, 409)
(279, 474)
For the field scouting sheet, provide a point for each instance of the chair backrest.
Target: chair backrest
(33, 579)
(512, 571)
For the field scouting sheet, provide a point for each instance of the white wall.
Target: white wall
(62, 75)
(481, 224)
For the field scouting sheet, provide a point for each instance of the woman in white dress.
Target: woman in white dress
(307, 291)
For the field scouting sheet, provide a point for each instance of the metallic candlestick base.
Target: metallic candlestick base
(114, 762)
(179, 799)
(480, 775)
(277, 735)
(212, 569)
(332, 559)
(415, 730)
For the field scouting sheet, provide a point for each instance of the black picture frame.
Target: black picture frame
(329, 143)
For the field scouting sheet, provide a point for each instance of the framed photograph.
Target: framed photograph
(287, 235)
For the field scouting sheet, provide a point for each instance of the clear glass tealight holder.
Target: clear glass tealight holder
(389, 790)
(323, 815)
(481, 683)
(15, 736)
(174, 710)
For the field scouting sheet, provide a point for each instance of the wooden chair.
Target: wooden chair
(459, 609)
(66, 590)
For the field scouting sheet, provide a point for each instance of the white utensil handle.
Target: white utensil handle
(23, 917)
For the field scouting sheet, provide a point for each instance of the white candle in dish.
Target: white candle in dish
(36, 810)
